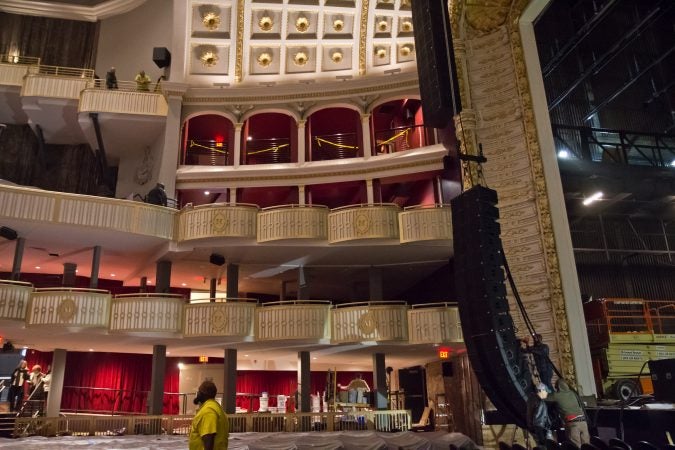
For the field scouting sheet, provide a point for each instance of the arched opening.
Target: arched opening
(269, 138)
(398, 125)
(335, 133)
(208, 140)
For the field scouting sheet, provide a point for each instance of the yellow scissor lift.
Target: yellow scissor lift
(625, 333)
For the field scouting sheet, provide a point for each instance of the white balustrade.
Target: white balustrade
(293, 222)
(12, 74)
(84, 210)
(14, 298)
(147, 313)
(38, 85)
(371, 221)
(218, 220)
(301, 319)
(123, 102)
(370, 321)
(69, 307)
(434, 323)
(425, 223)
(232, 317)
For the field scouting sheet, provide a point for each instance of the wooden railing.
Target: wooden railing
(369, 321)
(72, 307)
(293, 222)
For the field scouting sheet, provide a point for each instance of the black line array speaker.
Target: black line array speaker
(217, 259)
(8, 233)
(436, 70)
(161, 57)
(493, 348)
(413, 382)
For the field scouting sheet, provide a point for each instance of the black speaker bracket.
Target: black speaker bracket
(480, 159)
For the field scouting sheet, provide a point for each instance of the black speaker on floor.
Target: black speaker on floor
(217, 259)
(413, 382)
(489, 334)
(436, 70)
(8, 233)
(663, 378)
(161, 57)
(446, 367)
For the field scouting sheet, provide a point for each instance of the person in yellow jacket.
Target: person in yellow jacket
(142, 81)
(209, 429)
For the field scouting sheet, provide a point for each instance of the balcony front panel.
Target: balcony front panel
(426, 223)
(147, 313)
(352, 223)
(12, 74)
(69, 307)
(435, 323)
(229, 318)
(293, 222)
(27, 204)
(14, 298)
(123, 102)
(370, 321)
(36, 85)
(293, 320)
(218, 220)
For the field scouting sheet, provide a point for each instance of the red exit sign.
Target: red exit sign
(444, 352)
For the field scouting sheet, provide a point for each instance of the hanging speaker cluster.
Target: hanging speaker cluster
(8, 233)
(489, 334)
(217, 259)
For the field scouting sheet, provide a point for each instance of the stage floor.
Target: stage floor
(358, 440)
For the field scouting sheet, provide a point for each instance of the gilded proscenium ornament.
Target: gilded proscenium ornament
(487, 16)
(211, 21)
(302, 24)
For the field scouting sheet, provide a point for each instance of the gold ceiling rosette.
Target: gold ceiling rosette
(336, 56)
(406, 50)
(381, 52)
(209, 58)
(266, 23)
(302, 24)
(406, 26)
(338, 25)
(265, 59)
(211, 21)
(382, 25)
(300, 59)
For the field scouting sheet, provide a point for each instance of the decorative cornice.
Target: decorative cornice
(94, 13)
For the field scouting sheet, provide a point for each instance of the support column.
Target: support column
(370, 196)
(69, 271)
(163, 277)
(379, 382)
(375, 284)
(303, 285)
(301, 195)
(365, 133)
(233, 195)
(230, 381)
(301, 141)
(18, 257)
(303, 382)
(144, 284)
(156, 395)
(212, 289)
(95, 264)
(282, 290)
(56, 382)
(232, 280)
(171, 151)
(237, 144)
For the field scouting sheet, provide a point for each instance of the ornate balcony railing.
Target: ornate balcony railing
(69, 307)
(369, 321)
(434, 323)
(425, 223)
(367, 221)
(142, 313)
(232, 317)
(118, 101)
(232, 220)
(13, 69)
(54, 86)
(14, 299)
(297, 319)
(293, 222)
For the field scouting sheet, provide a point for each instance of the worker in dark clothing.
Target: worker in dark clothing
(571, 413)
(157, 195)
(538, 420)
(540, 353)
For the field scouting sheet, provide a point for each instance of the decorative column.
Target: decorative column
(95, 264)
(233, 195)
(232, 280)
(301, 141)
(156, 395)
(170, 153)
(18, 257)
(379, 381)
(58, 370)
(230, 381)
(303, 382)
(365, 136)
(69, 274)
(301, 195)
(163, 277)
(237, 144)
(370, 196)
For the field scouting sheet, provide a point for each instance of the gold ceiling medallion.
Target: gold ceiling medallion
(302, 24)
(406, 3)
(336, 57)
(300, 58)
(406, 50)
(382, 25)
(266, 23)
(406, 26)
(209, 58)
(381, 52)
(211, 21)
(338, 25)
(264, 59)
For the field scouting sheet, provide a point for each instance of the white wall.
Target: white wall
(128, 166)
(126, 41)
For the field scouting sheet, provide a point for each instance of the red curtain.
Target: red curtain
(119, 382)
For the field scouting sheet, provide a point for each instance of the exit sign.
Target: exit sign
(203, 359)
(444, 352)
